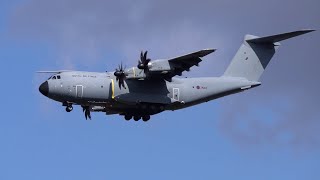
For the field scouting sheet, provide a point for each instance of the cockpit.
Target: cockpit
(54, 77)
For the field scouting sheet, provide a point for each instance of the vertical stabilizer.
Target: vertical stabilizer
(255, 54)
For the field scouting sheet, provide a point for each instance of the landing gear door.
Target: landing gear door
(175, 93)
(79, 91)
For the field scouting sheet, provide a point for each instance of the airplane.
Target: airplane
(151, 87)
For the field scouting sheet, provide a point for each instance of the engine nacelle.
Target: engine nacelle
(159, 66)
(156, 67)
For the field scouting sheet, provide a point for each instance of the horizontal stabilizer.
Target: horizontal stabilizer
(276, 38)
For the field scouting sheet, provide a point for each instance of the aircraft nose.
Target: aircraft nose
(44, 88)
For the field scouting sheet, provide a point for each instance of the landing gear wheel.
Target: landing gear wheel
(146, 118)
(127, 117)
(69, 108)
(136, 118)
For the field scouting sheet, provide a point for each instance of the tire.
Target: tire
(69, 108)
(127, 117)
(146, 118)
(136, 118)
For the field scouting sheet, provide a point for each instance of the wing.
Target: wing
(184, 63)
(167, 68)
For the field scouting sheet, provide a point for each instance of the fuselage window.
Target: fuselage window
(58, 77)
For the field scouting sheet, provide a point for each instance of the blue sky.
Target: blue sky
(271, 132)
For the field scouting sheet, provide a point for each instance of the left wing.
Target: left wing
(184, 63)
(167, 68)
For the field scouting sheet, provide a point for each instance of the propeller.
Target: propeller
(86, 110)
(143, 62)
(120, 76)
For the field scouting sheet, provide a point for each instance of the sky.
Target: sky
(270, 132)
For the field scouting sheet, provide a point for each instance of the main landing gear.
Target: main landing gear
(136, 118)
(127, 117)
(145, 118)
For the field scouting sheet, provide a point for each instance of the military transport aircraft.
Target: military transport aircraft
(151, 87)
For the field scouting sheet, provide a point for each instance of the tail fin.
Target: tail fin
(255, 54)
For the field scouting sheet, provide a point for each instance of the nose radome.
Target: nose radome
(44, 88)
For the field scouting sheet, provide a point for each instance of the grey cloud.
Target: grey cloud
(278, 119)
(86, 31)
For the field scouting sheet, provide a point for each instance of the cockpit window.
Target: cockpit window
(55, 77)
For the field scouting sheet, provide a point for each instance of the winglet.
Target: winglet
(276, 38)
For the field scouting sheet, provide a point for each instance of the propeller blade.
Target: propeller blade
(119, 83)
(122, 83)
(120, 75)
(143, 62)
(141, 56)
(145, 56)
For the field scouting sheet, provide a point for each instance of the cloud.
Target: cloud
(82, 29)
(87, 32)
(275, 119)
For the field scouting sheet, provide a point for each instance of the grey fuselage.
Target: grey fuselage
(100, 91)
(153, 90)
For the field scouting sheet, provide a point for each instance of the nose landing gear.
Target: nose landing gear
(69, 108)
(68, 105)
